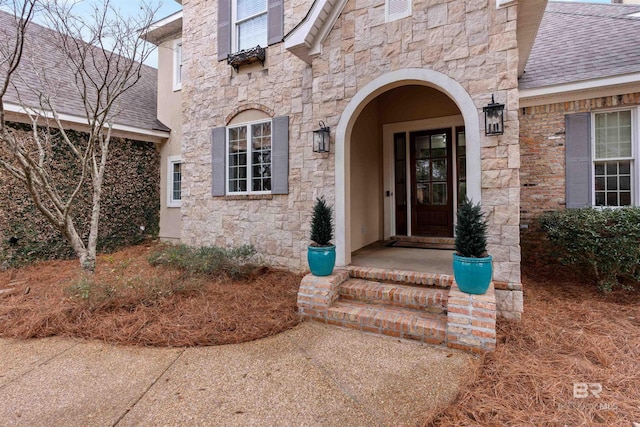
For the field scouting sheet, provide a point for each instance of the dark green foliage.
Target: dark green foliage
(605, 241)
(321, 223)
(130, 199)
(239, 263)
(471, 231)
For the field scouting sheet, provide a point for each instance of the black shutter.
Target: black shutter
(578, 168)
(218, 179)
(280, 155)
(224, 29)
(275, 21)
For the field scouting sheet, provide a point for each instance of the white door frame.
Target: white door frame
(389, 181)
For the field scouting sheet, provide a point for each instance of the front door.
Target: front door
(431, 183)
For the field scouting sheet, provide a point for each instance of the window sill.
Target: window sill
(247, 197)
(174, 205)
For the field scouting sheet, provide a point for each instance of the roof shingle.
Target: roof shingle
(42, 59)
(583, 41)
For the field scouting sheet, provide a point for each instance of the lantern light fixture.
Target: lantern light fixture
(493, 118)
(321, 139)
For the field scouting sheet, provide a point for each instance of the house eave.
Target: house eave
(567, 92)
(530, 14)
(20, 113)
(305, 41)
(168, 27)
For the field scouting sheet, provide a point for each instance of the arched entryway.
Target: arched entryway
(380, 131)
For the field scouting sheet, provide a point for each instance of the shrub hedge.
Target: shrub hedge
(606, 241)
(130, 205)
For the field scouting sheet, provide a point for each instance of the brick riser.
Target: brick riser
(432, 300)
(388, 320)
(402, 277)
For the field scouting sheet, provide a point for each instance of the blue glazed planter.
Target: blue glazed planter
(321, 260)
(473, 275)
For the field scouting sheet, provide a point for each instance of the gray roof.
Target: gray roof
(583, 41)
(40, 57)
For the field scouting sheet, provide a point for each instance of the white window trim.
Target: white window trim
(388, 17)
(171, 202)
(249, 166)
(234, 25)
(177, 65)
(635, 164)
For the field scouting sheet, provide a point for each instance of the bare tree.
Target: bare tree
(104, 56)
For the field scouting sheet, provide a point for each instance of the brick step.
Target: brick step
(400, 276)
(418, 298)
(388, 320)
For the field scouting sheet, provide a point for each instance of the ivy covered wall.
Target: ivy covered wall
(130, 208)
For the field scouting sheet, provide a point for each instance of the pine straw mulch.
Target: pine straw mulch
(569, 333)
(131, 302)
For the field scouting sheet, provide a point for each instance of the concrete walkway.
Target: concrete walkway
(311, 375)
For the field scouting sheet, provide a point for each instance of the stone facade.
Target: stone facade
(471, 42)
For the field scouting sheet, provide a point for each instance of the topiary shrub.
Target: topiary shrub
(471, 231)
(321, 224)
(605, 241)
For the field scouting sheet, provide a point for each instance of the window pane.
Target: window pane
(440, 193)
(252, 32)
(612, 199)
(599, 198)
(237, 159)
(625, 199)
(247, 8)
(439, 145)
(177, 182)
(613, 134)
(600, 183)
(261, 156)
(439, 170)
(625, 183)
(422, 193)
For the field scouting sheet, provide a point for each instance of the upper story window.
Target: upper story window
(245, 24)
(174, 184)
(613, 161)
(396, 9)
(177, 65)
(250, 24)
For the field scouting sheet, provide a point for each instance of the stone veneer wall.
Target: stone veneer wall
(542, 173)
(468, 40)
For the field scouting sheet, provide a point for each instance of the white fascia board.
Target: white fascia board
(323, 33)
(297, 42)
(82, 121)
(162, 28)
(306, 41)
(557, 93)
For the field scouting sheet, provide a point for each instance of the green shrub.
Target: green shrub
(471, 231)
(606, 241)
(240, 262)
(321, 223)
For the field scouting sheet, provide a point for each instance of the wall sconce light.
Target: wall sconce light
(321, 139)
(493, 118)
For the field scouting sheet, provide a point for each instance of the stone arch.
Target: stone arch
(246, 107)
(409, 76)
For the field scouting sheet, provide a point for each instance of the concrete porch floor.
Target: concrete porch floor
(409, 259)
